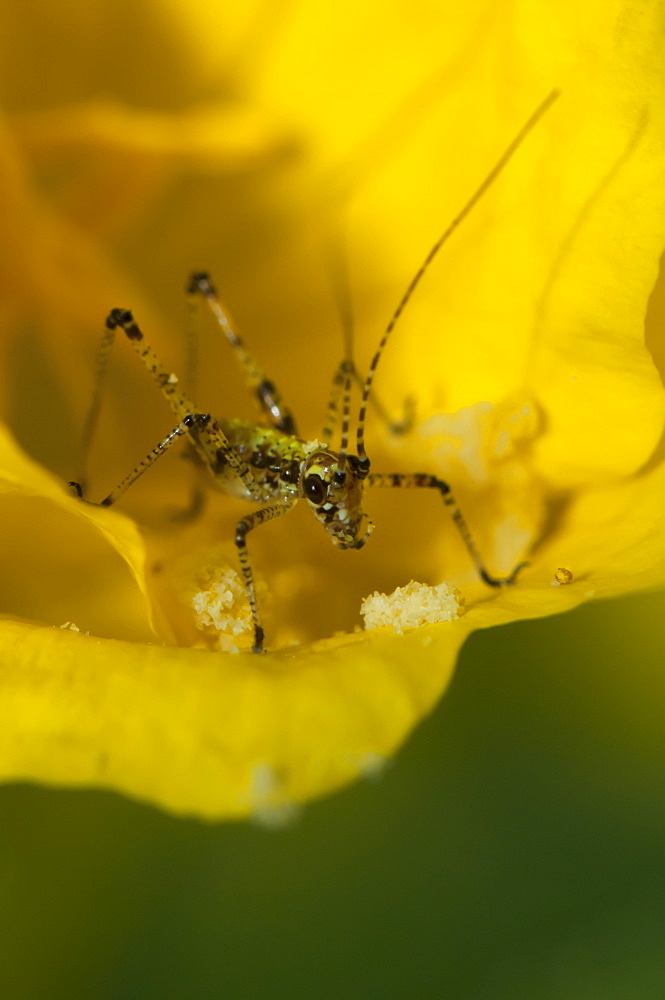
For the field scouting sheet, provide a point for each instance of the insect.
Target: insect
(267, 463)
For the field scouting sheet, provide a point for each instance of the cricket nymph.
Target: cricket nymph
(267, 463)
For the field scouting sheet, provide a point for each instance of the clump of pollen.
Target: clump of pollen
(411, 606)
(216, 600)
(204, 598)
(212, 596)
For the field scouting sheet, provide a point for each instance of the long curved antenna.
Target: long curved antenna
(339, 277)
(471, 203)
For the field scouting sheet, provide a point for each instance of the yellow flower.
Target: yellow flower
(142, 154)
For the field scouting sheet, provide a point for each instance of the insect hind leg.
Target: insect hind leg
(269, 398)
(424, 481)
(207, 437)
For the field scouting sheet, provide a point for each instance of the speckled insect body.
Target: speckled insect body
(288, 468)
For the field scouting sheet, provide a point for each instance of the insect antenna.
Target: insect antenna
(364, 463)
(337, 259)
(346, 418)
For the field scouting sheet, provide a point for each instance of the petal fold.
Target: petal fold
(216, 736)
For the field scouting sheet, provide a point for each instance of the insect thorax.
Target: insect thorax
(274, 458)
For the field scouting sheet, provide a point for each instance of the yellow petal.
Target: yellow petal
(66, 561)
(211, 137)
(123, 160)
(212, 734)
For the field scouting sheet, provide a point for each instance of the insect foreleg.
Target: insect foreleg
(421, 480)
(247, 524)
(267, 394)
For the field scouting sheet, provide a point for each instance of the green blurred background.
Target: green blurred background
(513, 849)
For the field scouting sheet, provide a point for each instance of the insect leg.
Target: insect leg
(190, 422)
(247, 524)
(267, 394)
(421, 480)
(208, 438)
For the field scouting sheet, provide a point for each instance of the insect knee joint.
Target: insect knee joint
(199, 420)
(123, 318)
(199, 281)
(241, 534)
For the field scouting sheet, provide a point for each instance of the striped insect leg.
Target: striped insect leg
(266, 392)
(424, 481)
(243, 528)
(208, 438)
(183, 428)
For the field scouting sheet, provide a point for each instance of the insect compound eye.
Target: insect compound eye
(315, 489)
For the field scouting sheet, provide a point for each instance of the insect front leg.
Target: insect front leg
(191, 421)
(243, 528)
(424, 481)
